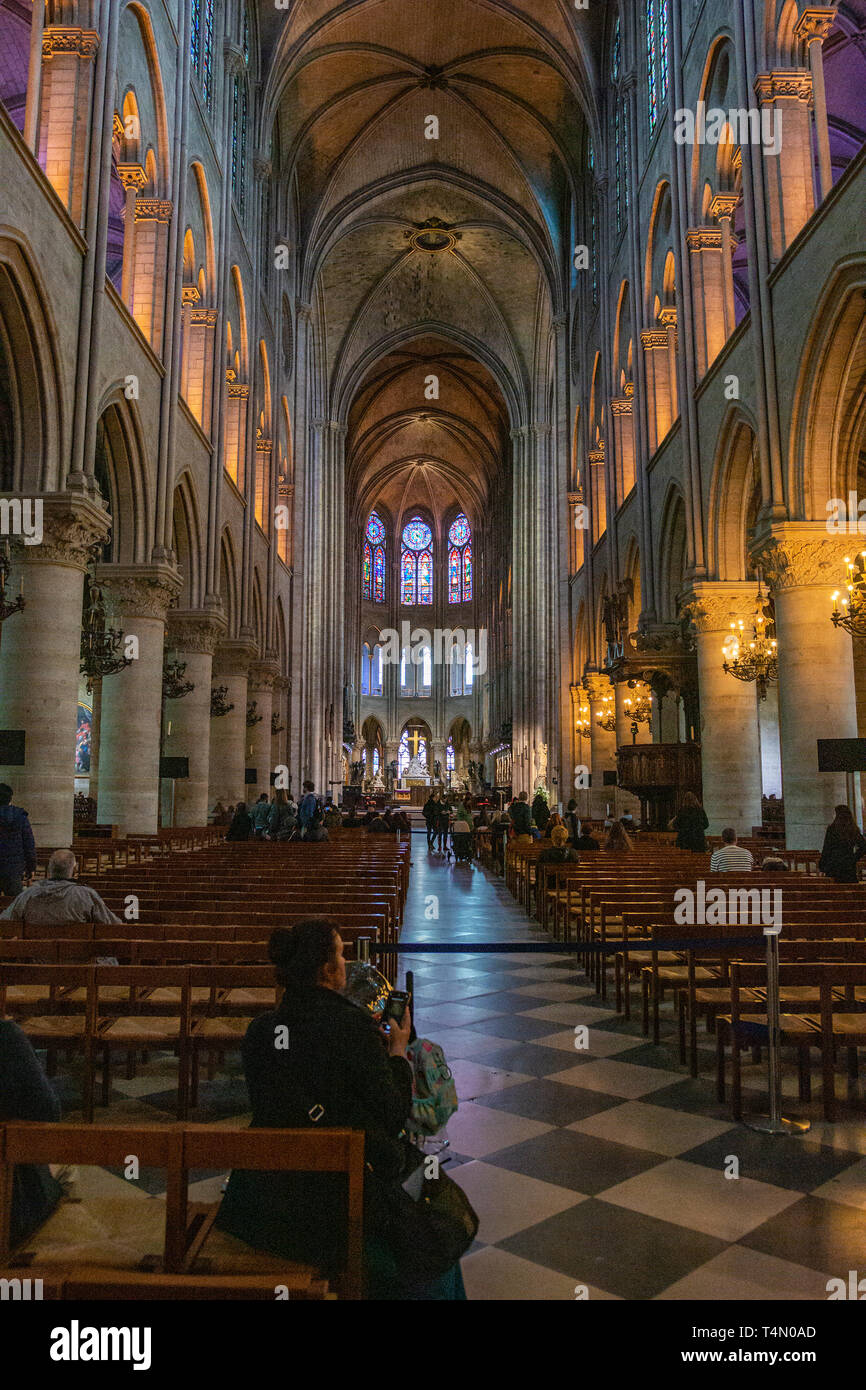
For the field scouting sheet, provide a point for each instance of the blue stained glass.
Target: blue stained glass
(236, 107)
(417, 534)
(407, 577)
(467, 574)
(651, 62)
(195, 34)
(242, 171)
(207, 66)
(663, 47)
(375, 529)
(454, 576)
(367, 582)
(379, 575)
(615, 55)
(246, 40)
(459, 532)
(425, 577)
(618, 163)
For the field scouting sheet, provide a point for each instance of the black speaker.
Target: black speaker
(174, 768)
(12, 748)
(251, 776)
(842, 754)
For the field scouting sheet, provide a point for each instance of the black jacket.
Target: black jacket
(690, 824)
(521, 817)
(26, 1094)
(17, 846)
(335, 1058)
(839, 856)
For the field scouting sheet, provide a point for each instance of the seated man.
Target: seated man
(58, 898)
(731, 858)
(585, 840)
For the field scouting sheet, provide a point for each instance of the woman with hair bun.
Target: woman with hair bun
(337, 1058)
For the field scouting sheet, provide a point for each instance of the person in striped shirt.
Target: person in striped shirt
(731, 858)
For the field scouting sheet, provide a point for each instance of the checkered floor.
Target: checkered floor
(603, 1168)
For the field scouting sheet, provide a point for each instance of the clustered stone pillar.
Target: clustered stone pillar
(136, 600)
(228, 732)
(603, 744)
(730, 744)
(191, 639)
(39, 660)
(817, 699)
(261, 693)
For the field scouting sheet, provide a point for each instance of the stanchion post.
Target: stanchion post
(775, 1122)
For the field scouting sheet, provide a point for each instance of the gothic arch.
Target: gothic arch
(33, 391)
(120, 452)
(731, 493)
(673, 549)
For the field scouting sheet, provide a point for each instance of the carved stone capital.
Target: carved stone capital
(786, 84)
(723, 206)
(597, 686)
(132, 176)
(713, 607)
(189, 296)
(153, 209)
(57, 41)
(71, 525)
(596, 456)
(262, 676)
(233, 658)
(704, 239)
(815, 23)
(796, 554)
(206, 317)
(190, 630)
(622, 405)
(239, 389)
(668, 316)
(139, 591)
(654, 339)
(262, 168)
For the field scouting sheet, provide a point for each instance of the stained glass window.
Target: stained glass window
(453, 575)
(246, 39)
(615, 55)
(449, 755)
(236, 112)
(367, 581)
(651, 63)
(207, 55)
(373, 568)
(618, 164)
(242, 171)
(663, 48)
(195, 33)
(460, 560)
(416, 563)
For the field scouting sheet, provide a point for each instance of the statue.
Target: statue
(356, 775)
(437, 770)
(540, 763)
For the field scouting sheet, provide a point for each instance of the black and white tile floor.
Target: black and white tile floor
(602, 1169)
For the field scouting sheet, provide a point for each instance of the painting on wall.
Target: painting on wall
(82, 738)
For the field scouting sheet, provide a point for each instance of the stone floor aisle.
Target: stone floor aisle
(604, 1168)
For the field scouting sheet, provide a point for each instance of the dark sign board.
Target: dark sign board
(12, 748)
(842, 754)
(251, 776)
(174, 768)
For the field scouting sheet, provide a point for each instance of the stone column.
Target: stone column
(134, 179)
(191, 638)
(705, 252)
(261, 693)
(790, 191)
(39, 659)
(228, 732)
(137, 600)
(654, 342)
(65, 119)
(622, 423)
(816, 672)
(730, 743)
(152, 220)
(722, 208)
(813, 26)
(603, 746)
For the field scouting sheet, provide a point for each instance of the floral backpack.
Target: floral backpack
(434, 1095)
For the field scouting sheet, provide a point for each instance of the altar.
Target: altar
(414, 775)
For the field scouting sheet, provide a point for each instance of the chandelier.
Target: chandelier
(757, 661)
(277, 727)
(174, 687)
(584, 714)
(850, 612)
(7, 609)
(100, 645)
(219, 706)
(252, 718)
(606, 716)
(639, 706)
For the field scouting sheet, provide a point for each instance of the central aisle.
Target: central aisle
(604, 1167)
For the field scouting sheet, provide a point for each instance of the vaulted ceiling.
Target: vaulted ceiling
(410, 243)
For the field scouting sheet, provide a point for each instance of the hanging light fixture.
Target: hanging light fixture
(219, 706)
(584, 714)
(252, 718)
(174, 687)
(758, 660)
(606, 716)
(100, 645)
(849, 609)
(7, 609)
(638, 706)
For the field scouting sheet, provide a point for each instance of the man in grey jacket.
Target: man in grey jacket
(57, 898)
